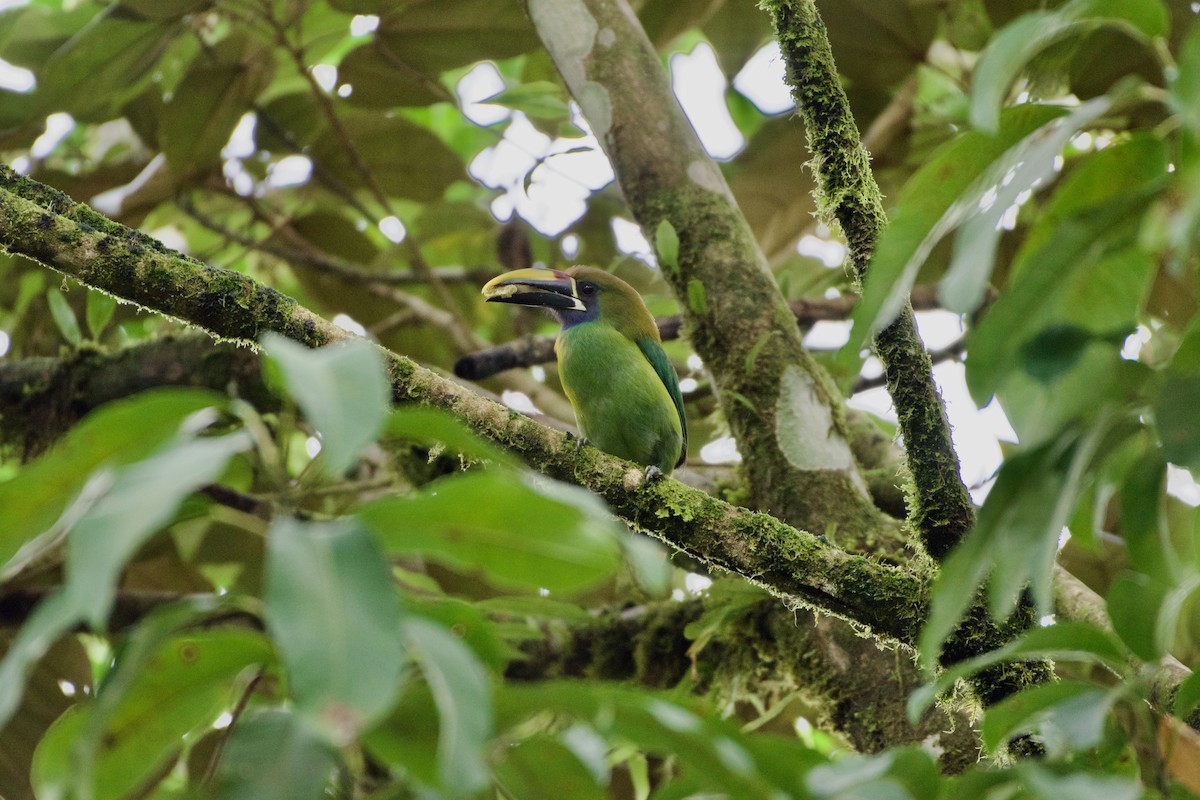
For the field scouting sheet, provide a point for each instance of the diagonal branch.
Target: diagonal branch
(45, 225)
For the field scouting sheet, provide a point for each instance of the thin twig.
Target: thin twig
(243, 701)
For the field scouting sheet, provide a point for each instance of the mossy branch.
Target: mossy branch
(38, 222)
(760, 660)
(803, 569)
(942, 511)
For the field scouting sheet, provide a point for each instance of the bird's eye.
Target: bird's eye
(587, 289)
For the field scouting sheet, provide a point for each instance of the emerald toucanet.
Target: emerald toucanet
(623, 389)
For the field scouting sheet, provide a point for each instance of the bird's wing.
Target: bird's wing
(657, 357)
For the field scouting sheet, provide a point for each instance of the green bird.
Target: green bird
(622, 386)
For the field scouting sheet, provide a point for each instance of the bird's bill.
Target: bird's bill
(546, 288)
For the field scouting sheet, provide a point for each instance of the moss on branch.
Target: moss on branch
(757, 658)
(796, 565)
(802, 569)
(40, 398)
(941, 511)
(47, 226)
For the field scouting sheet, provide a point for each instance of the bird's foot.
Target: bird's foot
(653, 474)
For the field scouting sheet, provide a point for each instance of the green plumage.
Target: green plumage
(621, 403)
(621, 384)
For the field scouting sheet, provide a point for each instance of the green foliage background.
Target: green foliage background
(285, 587)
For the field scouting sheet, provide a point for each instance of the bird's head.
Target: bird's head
(577, 295)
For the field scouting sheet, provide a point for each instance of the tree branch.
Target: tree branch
(766, 663)
(42, 397)
(41, 223)
(942, 511)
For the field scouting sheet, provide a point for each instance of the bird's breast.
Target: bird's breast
(620, 403)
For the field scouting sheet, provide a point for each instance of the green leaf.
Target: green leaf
(273, 755)
(1044, 784)
(1074, 708)
(130, 506)
(728, 601)
(879, 43)
(736, 36)
(521, 531)
(50, 619)
(381, 80)
(1057, 348)
(1028, 165)
(100, 308)
(1175, 419)
(472, 626)
(432, 37)
(332, 610)
(288, 122)
(142, 499)
(542, 766)
(1064, 641)
(1079, 265)
(342, 390)
(462, 692)
(433, 426)
(714, 757)
(364, 6)
(65, 666)
(164, 9)
(1016, 536)
(883, 776)
(538, 99)
(938, 198)
(64, 317)
(534, 607)
(1184, 83)
(1135, 604)
(697, 297)
(666, 245)
(30, 33)
(106, 63)
(407, 740)
(1143, 519)
(1187, 696)
(1013, 47)
(116, 433)
(113, 745)
(402, 158)
(208, 103)
(650, 562)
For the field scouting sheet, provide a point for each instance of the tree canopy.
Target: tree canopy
(287, 511)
